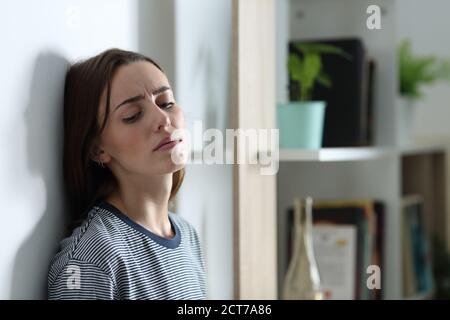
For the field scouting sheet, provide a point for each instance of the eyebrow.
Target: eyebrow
(140, 97)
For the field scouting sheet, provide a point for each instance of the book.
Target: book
(370, 131)
(378, 257)
(361, 214)
(409, 279)
(366, 218)
(335, 249)
(417, 269)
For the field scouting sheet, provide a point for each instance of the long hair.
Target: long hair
(86, 182)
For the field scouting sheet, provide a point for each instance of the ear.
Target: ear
(97, 154)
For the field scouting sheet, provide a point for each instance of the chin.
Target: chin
(171, 168)
(177, 167)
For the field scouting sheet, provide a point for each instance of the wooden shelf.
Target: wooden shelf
(421, 148)
(335, 154)
(359, 153)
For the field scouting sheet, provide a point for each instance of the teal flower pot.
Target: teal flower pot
(301, 124)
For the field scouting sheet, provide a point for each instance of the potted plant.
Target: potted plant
(301, 120)
(414, 73)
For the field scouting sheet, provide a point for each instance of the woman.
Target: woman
(119, 116)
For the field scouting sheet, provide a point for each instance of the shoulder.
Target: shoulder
(82, 280)
(95, 242)
(187, 229)
(190, 238)
(181, 222)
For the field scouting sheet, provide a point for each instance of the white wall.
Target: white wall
(38, 39)
(426, 24)
(203, 53)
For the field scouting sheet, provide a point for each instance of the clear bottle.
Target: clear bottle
(302, 281)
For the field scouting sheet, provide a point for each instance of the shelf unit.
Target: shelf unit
(377, 173)
(386, 171)
(252, 106)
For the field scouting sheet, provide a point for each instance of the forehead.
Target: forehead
(134, 78)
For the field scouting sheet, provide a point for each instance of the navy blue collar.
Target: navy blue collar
(171, 243)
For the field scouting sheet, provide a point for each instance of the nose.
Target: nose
(164, 122)
(161, 120)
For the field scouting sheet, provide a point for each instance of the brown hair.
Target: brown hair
(85, 181)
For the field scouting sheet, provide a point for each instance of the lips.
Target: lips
(166, 142)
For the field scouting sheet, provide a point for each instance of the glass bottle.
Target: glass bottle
(302, 281)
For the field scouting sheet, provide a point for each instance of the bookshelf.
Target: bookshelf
(385, 171)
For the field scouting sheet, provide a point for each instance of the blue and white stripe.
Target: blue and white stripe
(111, 257)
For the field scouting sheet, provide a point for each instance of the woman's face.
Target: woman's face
(142, 113)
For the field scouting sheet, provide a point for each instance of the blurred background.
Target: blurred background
(382, 149)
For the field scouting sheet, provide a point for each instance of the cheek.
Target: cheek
(126, 142)
(178, 118)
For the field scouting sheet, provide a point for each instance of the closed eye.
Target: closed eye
(132, 118)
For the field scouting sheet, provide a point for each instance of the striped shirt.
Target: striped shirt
(112, 257)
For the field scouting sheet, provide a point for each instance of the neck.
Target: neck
(145, 201)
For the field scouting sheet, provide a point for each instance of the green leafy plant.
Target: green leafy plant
(307, 70)
(416, 71)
